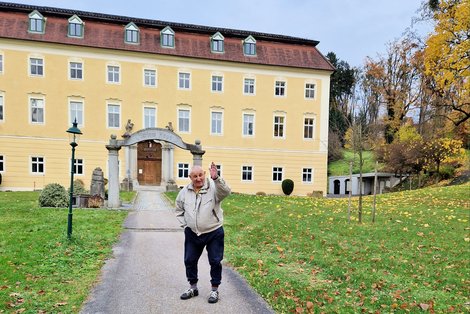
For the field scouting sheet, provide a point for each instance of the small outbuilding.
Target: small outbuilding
(341, 185)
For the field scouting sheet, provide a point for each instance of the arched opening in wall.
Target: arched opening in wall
(336, 186)
(149, 163)
(347, 186)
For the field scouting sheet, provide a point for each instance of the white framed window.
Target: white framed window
(37, 22)
(279, 126)
(76, 112)
(309, 127)
(217, 42)
(76, 27)
(113, 74)
(247, 173)
(217, 119)
(150, 78)
(217, 83)
(249, 46)
(150, 117)
(309, 91)
(278, 174)
(36, 109)
(114, 116)
(183, 170)
(131, 34)
(2, 106)
(184, 80)
(280, 88)
(37, 165)
(78, 166)
(2, 163)
(76, 70)
(307, 175)
(1, 63)
(249, 86)
(248, 128)
(36, 67)
(167, 37)
(184, 120)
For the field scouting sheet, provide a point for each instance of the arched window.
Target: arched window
(217, 42)
(167, 37)
(131, 34)
(37, 22)
(75, 27)
(249, 46)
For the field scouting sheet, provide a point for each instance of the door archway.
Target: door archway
(149, 134)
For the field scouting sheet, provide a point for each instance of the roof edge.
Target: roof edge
(157, 23)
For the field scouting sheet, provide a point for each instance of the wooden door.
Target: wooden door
(149, 163)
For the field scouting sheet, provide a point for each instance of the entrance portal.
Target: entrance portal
(149, 163)
(166, 170)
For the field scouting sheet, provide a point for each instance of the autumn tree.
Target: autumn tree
(405, 155)
(447, 58)
(393, 82)
(438, 150)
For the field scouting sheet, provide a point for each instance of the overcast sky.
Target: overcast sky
(353, 29)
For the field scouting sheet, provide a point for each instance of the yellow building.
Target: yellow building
(257, 102)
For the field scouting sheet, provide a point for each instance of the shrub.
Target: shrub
(53, 195)
(447, 172)
(287, 186)
(78, 187)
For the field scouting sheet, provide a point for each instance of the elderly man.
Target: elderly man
(199, 212)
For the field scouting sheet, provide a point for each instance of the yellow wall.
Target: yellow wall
(19, 139)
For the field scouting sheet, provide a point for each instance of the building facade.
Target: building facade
(258, 103)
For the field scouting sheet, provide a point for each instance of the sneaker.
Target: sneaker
(188, 294)
(213, 297)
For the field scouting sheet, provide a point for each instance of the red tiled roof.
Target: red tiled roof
(107, 31)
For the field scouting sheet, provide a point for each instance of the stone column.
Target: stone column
(128, 167)
(171, 150)
(165, 160)
(113, 166)
(197, 153)
(133, 167)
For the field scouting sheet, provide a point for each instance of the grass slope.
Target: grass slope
(303, 256)
(40, 270)
(341, 167)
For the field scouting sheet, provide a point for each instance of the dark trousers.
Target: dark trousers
(193, 247)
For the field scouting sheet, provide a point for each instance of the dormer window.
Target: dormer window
(167, 37)
(217, 42)
(249, 46)
(132, 34)
(37, 22)
(75, 27)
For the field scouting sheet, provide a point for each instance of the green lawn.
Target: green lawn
(301, 254)
(40, 270)
(341, 167)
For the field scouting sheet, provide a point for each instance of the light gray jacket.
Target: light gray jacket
(202, 211)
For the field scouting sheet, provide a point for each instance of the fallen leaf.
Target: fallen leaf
(424, 306)
(309, 305)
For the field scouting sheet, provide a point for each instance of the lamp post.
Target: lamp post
(74, 135)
